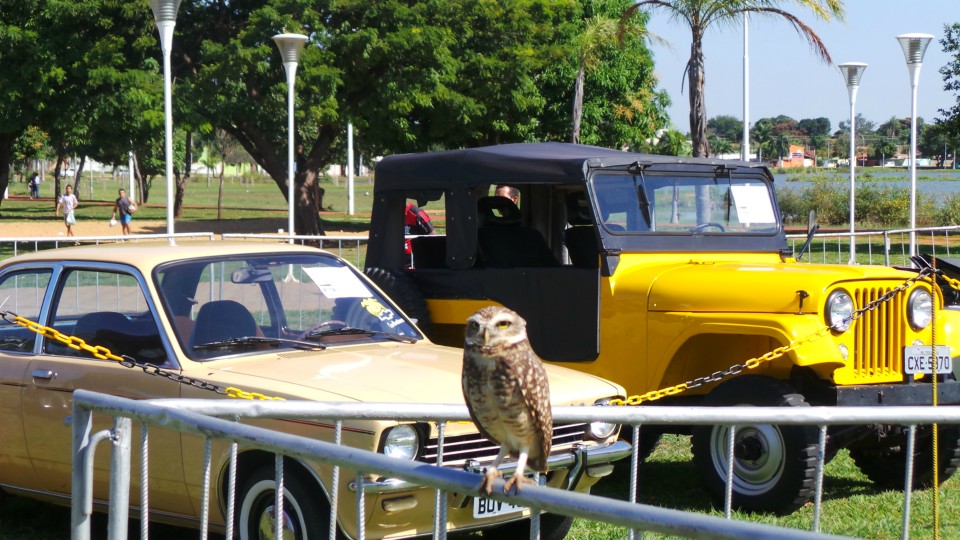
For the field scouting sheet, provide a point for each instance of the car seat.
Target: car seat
(220, 320)
(503, 242)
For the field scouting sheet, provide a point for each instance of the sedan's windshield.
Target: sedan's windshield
(685, 205)
(253, 303)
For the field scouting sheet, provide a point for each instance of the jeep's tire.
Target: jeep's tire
(887, 467)
(774, 468)
(306, 512)
(552, 527)
(401, 289)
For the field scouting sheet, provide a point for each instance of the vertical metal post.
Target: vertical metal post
(120, 479)
(818, 489)
(335, 482)
(81, 507)
(144, 481)
(728, 496)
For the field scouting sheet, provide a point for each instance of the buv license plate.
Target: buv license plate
(920, 359)
(485, 508)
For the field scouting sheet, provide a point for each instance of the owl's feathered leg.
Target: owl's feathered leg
(493, 472)
(518, 477)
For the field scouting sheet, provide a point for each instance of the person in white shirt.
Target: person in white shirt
(68, 202)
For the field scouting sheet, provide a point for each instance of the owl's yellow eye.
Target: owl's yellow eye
(503, 325)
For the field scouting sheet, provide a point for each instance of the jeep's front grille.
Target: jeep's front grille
(458, 449)
(879, 337)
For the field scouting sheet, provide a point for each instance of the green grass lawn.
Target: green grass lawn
(851, 506)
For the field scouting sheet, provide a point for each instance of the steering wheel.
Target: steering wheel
(702, 226)
(331, 325)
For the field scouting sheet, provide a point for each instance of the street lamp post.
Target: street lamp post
(914, 46)
(165, 16)
(852, 71)
(290, 46)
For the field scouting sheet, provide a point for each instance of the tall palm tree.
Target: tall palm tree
(600, 34)
(701, 14)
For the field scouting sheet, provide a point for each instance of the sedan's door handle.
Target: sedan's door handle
(44, 374)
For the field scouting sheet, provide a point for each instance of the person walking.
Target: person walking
(126, 207)
(35, 186)
(68, 203)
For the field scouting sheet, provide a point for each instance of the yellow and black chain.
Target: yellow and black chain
(104, 353)
(752, 363)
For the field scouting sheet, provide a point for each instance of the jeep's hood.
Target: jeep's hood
(421, 373)
(754, 288)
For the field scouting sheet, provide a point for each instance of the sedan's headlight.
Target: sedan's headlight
(602, 430)
(838, 311)
(401, 442)
(918, 309)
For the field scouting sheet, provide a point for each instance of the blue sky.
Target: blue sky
(787, 78)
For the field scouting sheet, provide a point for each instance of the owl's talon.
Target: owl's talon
(488, 478)
(515, 482)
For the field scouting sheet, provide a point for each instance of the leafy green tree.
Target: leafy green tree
(950, 42)
(720, 146)
(817, 142)
(884, 148)
(725, 127)
(700, 15)
(815, 126)
(763, 137)
(672, 143)
(863, 126)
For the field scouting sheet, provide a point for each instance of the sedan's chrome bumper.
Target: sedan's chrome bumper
(594, 461)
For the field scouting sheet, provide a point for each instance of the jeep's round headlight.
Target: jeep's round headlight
(918, 309)
(602, 430)
(838, 311)
(401, 442)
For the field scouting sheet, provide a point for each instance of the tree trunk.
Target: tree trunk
(6, 155)
(698, 119)
(184, 178)
(307, 204)
(578, 103)
(220, 195)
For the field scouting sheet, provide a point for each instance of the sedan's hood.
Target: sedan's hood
(755, 288)
(421, 373)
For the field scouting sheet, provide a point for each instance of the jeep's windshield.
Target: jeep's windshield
(684, 205)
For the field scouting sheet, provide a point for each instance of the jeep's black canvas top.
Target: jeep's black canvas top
(518, 163)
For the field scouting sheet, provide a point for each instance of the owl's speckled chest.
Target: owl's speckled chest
(493, 392)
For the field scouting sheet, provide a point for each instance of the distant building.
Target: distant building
(796, 158)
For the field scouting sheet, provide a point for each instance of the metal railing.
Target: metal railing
(351, 248)
(13, 246)
(201, 417)
(887, 247)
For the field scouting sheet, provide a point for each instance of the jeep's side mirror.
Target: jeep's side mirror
(812, 229)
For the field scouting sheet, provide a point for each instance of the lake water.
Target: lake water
(934, 183)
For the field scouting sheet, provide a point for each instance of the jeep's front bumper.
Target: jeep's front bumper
(948, 393)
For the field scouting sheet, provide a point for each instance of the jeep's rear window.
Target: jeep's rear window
(684, 205)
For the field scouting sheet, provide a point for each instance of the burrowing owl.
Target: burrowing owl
(506, 390)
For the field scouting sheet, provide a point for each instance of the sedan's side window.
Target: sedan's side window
(105, 309)
(22, 293)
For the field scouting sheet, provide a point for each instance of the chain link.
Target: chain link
(104, 353)
(753, 363)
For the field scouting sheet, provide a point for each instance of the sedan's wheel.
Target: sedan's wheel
(887, 466)
(305, 512)
(774, 467)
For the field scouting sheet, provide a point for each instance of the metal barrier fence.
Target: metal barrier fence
(890, 247)
(201, 417)
(13, 246)
(351, 248)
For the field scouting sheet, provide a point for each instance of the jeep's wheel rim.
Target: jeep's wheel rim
(759, 457)
(268, 523)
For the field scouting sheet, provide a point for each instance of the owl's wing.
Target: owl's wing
(535, 389)
(464, 382)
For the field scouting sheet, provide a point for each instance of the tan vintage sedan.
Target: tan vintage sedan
(285, 321)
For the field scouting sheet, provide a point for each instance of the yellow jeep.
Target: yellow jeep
(673, 277)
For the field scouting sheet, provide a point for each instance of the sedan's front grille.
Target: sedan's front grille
(880, 336)
(459, 449)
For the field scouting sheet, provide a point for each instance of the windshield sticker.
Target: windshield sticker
(381, 312)
(337, 282)
(753, 204)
